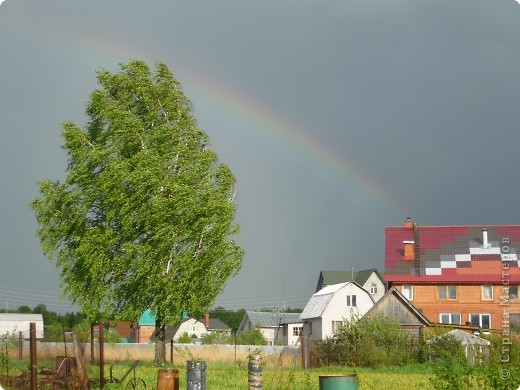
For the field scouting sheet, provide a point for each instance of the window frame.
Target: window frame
(409, 287)
(484, 298)
(351, 300)
(445, 288)
(336, 326)
(480, 322)
(450, 321)
(373, 288)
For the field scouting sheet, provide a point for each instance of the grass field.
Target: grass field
(223, 376)
(276, 374)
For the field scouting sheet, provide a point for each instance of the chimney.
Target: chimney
(485, 243)
(409, 250)
(206, 320)
(408, 223)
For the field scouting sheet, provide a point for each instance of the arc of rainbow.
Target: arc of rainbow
(110, 48)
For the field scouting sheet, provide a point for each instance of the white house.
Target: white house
(13, 323)
(194, 328)
(276, 327)
(331, 306)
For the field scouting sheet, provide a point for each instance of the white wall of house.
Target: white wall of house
(13, 323)
(380, 287)
(293, 333)
(192, 327)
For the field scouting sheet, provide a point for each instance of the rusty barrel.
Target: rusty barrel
(339, 382)
(196, 373)
(168, 379)
(254, 377)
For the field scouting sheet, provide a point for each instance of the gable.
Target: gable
(394, 305)
(147, 319)
(320, 301)
(328, 278)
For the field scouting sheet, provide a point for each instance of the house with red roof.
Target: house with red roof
(466, 275)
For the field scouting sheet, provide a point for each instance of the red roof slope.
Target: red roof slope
(453, 254)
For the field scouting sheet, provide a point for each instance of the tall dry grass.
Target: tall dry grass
(146, 352)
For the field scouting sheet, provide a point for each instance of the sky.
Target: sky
(338, 119)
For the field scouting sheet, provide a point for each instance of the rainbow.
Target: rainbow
(110, 50)
(266, 120)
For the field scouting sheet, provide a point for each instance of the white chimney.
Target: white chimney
(485, 243)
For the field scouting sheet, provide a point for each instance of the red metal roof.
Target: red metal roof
(454, 254)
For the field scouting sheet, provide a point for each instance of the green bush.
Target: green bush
(501, 368)
(184, 339)
(251, 337)
(450, 369)
(218, 337)
(372, 341)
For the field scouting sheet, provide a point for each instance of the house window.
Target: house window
(336, 326)
(487, 292)
(447, 292)
(373, 289)
(351, 300)
(513, 292)
(297, 330)
(450, 318)
(408, 291)
(480, 320)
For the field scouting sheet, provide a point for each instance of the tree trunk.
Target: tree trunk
(160, 343)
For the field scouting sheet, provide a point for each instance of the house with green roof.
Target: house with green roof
(370, 280)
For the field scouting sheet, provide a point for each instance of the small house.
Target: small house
(276, 327)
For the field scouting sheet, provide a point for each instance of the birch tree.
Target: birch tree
(145, 216)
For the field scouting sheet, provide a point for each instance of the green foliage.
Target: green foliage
(450, 369)
(218, 337)
(184, 339)
(145, 216)
(501, 369)
(229, 317)
(251, 337)
(372, 341)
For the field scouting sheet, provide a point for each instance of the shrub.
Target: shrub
(371, 341)
(218, 337)
(184, 339)
(251, 337)
(450, 369)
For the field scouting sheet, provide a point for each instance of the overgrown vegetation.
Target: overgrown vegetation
(368, 342)
(248, 337)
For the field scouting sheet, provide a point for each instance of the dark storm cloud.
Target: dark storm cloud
(418, 97)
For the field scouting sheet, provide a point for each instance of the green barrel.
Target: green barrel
(339, 382)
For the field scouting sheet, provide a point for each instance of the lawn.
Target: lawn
(225, 376)
(276, 375)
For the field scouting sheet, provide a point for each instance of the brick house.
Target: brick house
(466, 275)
